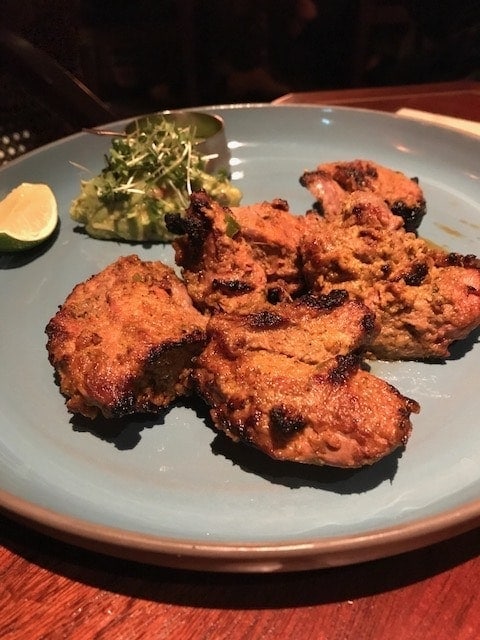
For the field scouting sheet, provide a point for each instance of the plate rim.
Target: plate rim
(235, 556)
(238, 556)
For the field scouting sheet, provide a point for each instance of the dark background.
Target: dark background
(146, 55)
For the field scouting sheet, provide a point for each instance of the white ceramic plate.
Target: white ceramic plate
(169, 491)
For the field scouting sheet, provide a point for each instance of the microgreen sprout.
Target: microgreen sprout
(148, 172)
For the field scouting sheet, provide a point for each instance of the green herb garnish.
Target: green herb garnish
(232, 226)
(148, 173)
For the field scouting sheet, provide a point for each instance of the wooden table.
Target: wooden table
(50, 590)
(460, 99)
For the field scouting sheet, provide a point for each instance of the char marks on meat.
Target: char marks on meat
(290, 382)
(423, 298)
(238, 258)
(331, 182)
(124, 341)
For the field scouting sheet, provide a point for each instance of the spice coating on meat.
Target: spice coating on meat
(423, 298)
(289, 382)
(311, 329)
(237, 258)
(331, 182)
(274, 233)
(123, 341)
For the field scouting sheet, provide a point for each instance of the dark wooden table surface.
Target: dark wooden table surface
(51, 590)
(460, 99)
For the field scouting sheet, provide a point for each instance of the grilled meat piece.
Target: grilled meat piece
(274, 233)
(237, 258)
(288, 381)
(329, 183)
(124, 340)
(423, 298)
(218, 266)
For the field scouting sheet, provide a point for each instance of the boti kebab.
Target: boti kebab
(243, 268)
(357, 239)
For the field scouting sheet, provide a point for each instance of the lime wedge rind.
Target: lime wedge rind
(28, 216)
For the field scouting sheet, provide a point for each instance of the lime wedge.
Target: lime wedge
(28, 216)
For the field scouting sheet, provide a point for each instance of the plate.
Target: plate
(169, 490)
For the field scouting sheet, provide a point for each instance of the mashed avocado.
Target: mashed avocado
(148, 173)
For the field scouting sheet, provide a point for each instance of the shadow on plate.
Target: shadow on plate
(461, 347)
(18, 259)
(144, 244)
(123, 433)
(296, 475)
